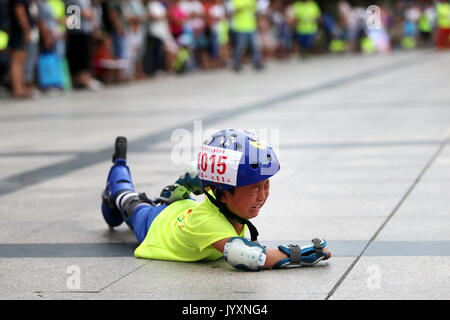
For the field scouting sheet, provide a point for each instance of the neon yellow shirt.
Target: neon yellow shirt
(443, 15)
(424, 23)
(244, 17)
(58, 9)
(306, 14)
(185, 230)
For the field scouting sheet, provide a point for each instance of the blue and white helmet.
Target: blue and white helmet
(235, 158)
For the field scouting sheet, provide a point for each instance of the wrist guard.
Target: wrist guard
(302, 256)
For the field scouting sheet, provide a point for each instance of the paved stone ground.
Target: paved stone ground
(364, 148)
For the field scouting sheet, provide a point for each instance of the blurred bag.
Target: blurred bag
(50, 71)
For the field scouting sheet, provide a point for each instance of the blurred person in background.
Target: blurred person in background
(347, 21)
(134, 13)
(115, 24)
(426, 24)
(352, 20)
(217, 24)
(106, 67)
(380, 36)
(443, 24)
(266, 32)
(58, 17)
(281, 28)
(194, 28)
(161, 47)
(184, 61)
(306, 15)
(328, 26)
(176, 17)
(396, 30)
(58, 9)
(411, 17)
(339, 34)
(50, 36)
(80, 45)
(244, 25)
(23, 42)
(290, 19)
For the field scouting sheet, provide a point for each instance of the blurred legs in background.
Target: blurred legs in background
(243, 40)
(17, 71)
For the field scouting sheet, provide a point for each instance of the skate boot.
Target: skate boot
(118, 182)
(186, 184)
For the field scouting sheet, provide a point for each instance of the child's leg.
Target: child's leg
(121, 203)
(142, 218)
(135, 211)
(118, 182)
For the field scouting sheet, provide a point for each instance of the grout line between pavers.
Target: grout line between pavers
(124, 276)
(402, 200)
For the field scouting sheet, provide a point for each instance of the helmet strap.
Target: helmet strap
(223, 208)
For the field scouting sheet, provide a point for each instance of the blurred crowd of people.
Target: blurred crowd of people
(57, 45)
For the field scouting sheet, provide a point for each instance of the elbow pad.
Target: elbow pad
(302, 256)
(244, 255)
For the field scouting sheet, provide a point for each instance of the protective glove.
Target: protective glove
(302, 256)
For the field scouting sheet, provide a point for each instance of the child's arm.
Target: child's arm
(272, 257)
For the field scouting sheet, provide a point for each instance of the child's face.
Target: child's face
(248, 200)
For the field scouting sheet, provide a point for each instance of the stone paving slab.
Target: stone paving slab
(40, 275)
(393, 278)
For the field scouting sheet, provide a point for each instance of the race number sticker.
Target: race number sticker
(218, 165)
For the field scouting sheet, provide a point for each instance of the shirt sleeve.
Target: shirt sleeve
(212, 231)
(200, 231)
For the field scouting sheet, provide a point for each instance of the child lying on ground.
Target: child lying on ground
(233, 172)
